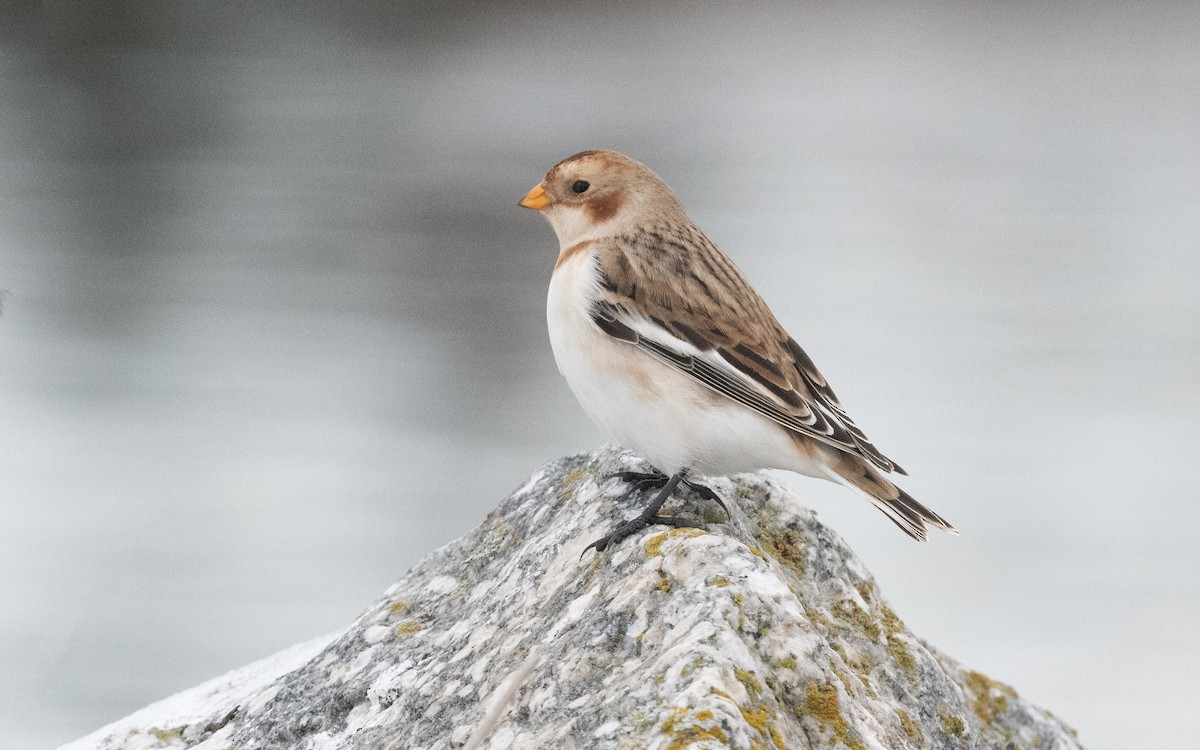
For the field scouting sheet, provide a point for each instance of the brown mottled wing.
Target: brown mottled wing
(667, 285)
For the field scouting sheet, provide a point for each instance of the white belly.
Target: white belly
(649, 406)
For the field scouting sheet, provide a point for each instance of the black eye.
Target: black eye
(579, 186)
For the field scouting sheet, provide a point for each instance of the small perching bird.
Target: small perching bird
(673, 354)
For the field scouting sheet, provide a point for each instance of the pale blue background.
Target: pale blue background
(275, 330)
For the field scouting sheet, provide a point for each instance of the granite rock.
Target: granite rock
(760, 630)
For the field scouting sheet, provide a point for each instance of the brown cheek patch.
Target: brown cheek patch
(605, 207)
(571, 251)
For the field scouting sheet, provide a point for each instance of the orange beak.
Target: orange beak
(535, 199)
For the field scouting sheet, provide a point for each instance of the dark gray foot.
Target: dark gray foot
(629, 528)
(642, 480)
(649, 517)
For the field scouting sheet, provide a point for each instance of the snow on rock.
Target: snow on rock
(758, 631)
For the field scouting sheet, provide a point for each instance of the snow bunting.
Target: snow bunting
(673, 354)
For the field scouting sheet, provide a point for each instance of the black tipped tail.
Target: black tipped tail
(901, 509)
(911, 516)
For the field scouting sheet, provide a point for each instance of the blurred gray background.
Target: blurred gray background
(274, 325)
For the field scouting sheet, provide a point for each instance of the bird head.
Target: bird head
(588, 195)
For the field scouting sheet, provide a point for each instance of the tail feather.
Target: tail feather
(900, 507)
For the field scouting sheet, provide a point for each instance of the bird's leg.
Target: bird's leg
(654, 479)
(648, 517)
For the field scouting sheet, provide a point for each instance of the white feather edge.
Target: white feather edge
(648, 329)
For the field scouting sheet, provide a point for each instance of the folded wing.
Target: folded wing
(701, 316)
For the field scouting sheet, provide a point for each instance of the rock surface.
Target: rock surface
(761, 631)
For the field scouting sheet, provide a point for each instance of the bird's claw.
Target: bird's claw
(631, 527)
(708, 494)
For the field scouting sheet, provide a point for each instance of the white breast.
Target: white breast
(647, 405)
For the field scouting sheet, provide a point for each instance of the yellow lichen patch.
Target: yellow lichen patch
(821, 702)
(675, 715)
(866, 683)
(663, 584)
(683, 736)
(860, 662)
(901, 654)
(786, 547)
(654, 544)
(891, 623)
(749, 681)
(739, 599)
(951, 724)
(697, 663)
(787, 662)
(911, 728)
(720, 582)
(397, 607)
(989, 698)
(760, 720)
(817, 618)
(692, 735)
(569, 484)
(409, 627)
(758, 716)
(845, 681)
(757, 552)
(865, 589)
(860, 619)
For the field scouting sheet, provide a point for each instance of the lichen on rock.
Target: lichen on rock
(759, 631)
